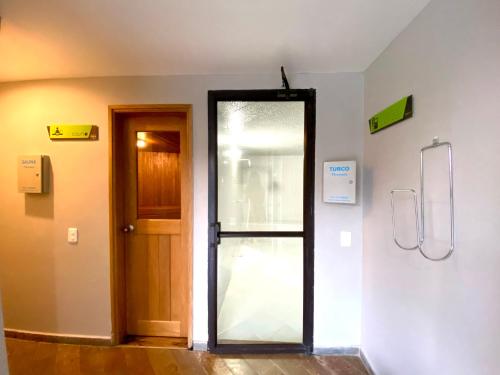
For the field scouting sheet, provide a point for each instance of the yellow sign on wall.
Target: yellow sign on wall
(62, 131)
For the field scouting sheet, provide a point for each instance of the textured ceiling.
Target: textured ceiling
(78, 38)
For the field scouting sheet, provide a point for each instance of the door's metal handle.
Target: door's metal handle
(128, 228)
(217, 232)
(215, 229)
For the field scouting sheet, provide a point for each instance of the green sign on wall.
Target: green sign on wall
(399, 111)
(62, 131)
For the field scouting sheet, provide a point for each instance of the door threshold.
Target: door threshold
(157, 342)
(260, 349)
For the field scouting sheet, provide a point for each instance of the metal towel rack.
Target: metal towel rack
(420, 224)
(394, 233)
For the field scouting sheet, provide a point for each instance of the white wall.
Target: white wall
(52, 287)
(421, 317)
(337, 285)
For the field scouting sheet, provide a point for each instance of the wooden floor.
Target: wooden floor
(38, 358)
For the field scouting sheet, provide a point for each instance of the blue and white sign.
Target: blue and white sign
(339, 182)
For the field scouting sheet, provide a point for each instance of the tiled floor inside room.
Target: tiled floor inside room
(39, 358)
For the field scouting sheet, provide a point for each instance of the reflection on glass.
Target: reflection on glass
(259, 290)
(158, 175)
(260, 165)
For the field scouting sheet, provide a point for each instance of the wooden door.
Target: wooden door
(156, 224)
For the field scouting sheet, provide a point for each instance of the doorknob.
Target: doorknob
(128, 228)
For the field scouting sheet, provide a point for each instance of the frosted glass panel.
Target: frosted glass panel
(260, 290)
(260, 148)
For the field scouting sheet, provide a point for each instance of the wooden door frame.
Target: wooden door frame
(117, 265)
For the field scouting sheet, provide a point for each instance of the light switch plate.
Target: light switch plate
(72, 235)
(345, 239)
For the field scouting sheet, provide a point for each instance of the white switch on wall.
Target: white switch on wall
(345, 239)
(72, 235)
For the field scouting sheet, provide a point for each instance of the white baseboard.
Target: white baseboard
(339, 350)
(200, 346)
(366, 363)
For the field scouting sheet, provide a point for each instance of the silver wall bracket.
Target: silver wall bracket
(420, 224)
(394, 231)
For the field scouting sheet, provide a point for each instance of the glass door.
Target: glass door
(261, 159)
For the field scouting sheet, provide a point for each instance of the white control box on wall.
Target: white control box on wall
(339, 182)
(33, 174)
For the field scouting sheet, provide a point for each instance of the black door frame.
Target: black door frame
(308, 96)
